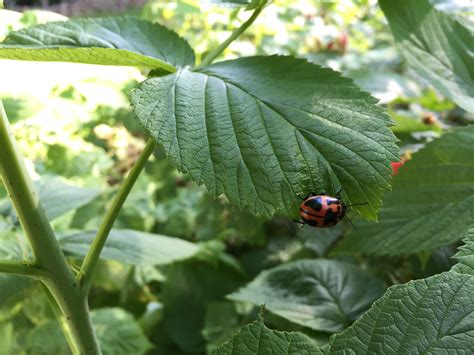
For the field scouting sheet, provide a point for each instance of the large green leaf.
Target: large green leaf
(430, 316)
(465, 255)
(263, 129)
(256, 338)
(132, 247)
(320, 294)
(436, 45)
(432, 202)
(109, 41)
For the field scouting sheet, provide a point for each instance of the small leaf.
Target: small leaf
(118, 332)
(132, 247)
(429, 316)
(263, 129)
(436, 45)
(431, 203)
(108, 41)
(465, 255)
(256, 338)
(320, 294)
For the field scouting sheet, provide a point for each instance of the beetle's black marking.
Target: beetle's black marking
(333, 201)
(311, 223)
(315, 203)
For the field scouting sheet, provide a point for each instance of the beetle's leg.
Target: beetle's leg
(338, 193)
(300, 222)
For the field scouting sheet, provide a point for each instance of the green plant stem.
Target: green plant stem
(92, 257)
(22, 269)
(218, 50)
(49, 257)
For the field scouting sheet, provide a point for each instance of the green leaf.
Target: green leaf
(436, 45)
(256, 338)
(465, 255)
(431, 203)
(132, 247)
(321, 294)
(124, 41)
(263, 129)
(58, 197)
(118, 332)
(429, 316)
(190, 286)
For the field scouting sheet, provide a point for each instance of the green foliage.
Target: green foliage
(333, 293)
(434, 315)
(183, 270)
(431, 203)
(107, 41)
(436, 45)
(132, 247)
(268, 129)
(465, 255)
(256, 338)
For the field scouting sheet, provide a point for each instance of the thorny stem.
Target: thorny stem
(49, 257)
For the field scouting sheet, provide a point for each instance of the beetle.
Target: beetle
(321, 210)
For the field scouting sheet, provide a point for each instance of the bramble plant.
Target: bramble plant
(259, 130)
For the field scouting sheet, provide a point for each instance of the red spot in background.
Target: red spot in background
(396, 165)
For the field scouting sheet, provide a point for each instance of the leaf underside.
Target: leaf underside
(263, 129)
(431, 203)
(436, 45)
(123, 41)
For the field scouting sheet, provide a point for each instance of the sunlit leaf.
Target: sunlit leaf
(123, 41)
(132, 247)
(432, 202)
(261, 130)
(320, 294)
(439, 47)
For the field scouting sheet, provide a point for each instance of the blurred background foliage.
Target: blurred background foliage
(74, 121)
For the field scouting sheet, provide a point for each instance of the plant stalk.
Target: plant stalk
(218, 50)
(22, 268)
(49, 257)
(92, 257)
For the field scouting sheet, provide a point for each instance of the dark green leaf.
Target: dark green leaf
(190, 286)
(261, 130)
(465, 255)
(108, 41)
(256, 338)
(436, 45)
(132, 247)
(320, 294)
(118, 332)
(431, 204)
(430, 316)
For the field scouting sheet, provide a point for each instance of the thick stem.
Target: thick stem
(92, 257)
(59, 279)
(218, 50)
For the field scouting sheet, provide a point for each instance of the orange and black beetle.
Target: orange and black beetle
(321, 211)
